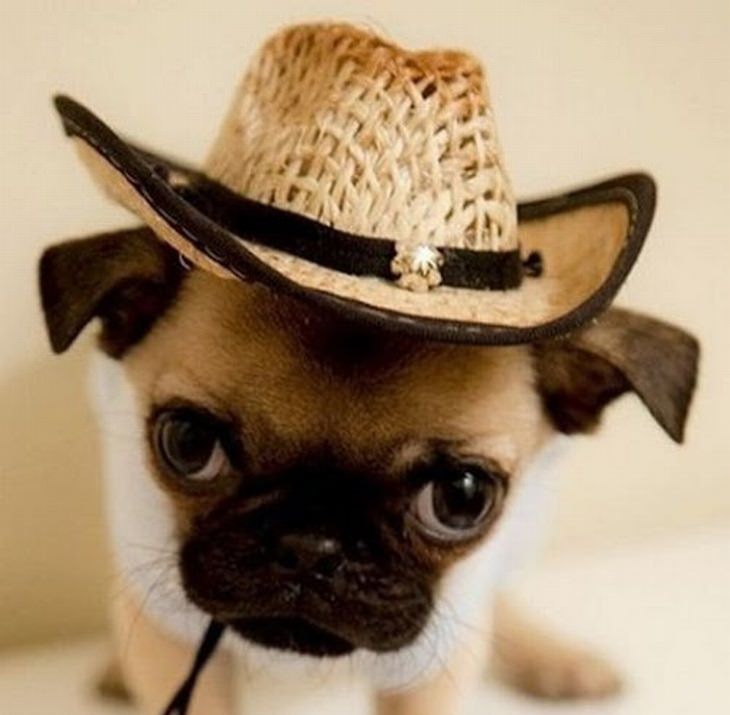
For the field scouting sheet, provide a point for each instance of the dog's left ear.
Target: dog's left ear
(126, 278)
(623, 351)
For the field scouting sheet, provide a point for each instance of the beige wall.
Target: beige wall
(582, 89)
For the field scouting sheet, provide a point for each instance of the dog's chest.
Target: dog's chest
(287, 695)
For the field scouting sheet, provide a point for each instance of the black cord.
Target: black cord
(181, 701)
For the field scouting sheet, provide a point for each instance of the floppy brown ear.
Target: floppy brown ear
(126, 278)
(622, 351)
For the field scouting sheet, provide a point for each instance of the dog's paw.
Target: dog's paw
(565, 673)
(110, 683)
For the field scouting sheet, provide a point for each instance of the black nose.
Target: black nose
(312, 553)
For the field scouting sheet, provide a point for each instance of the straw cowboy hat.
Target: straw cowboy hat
(369, 179)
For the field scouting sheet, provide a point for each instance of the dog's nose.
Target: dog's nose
(301, 552)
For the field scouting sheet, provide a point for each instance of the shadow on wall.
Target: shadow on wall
(53, 564)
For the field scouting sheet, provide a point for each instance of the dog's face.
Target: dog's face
(325, 478)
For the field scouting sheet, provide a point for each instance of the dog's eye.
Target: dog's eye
(189, 444)
(454, 505)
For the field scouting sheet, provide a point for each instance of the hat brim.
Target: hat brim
(588, 239)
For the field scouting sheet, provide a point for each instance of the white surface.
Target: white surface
(662, 613)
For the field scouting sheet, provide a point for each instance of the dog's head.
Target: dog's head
(324, 476)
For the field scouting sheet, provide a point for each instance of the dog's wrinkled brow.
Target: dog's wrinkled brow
(411, 454)
(416, 454)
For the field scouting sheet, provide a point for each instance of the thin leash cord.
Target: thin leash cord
(181, 701)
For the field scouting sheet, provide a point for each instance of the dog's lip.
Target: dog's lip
(292, 633)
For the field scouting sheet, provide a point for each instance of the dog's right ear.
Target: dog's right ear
(622, 351)
(126, 278)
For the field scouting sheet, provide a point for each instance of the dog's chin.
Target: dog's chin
(293, 634)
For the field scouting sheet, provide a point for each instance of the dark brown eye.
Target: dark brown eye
(454, 505)
(189, 444)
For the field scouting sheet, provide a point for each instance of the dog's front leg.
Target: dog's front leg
(536, 661)
(154, 664)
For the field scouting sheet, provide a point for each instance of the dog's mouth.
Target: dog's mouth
(292, 634)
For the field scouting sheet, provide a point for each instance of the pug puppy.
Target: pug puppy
(332, 492)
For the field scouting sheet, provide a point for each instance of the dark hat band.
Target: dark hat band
(328, 247)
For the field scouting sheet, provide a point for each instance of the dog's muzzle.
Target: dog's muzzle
(322, 579)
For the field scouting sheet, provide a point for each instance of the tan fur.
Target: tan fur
(256, 333)
(272, 364)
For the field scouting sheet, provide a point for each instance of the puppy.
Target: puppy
(333, 493)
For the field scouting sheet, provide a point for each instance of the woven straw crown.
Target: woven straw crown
(337, 124)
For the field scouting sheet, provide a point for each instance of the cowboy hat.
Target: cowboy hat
(369, 179)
